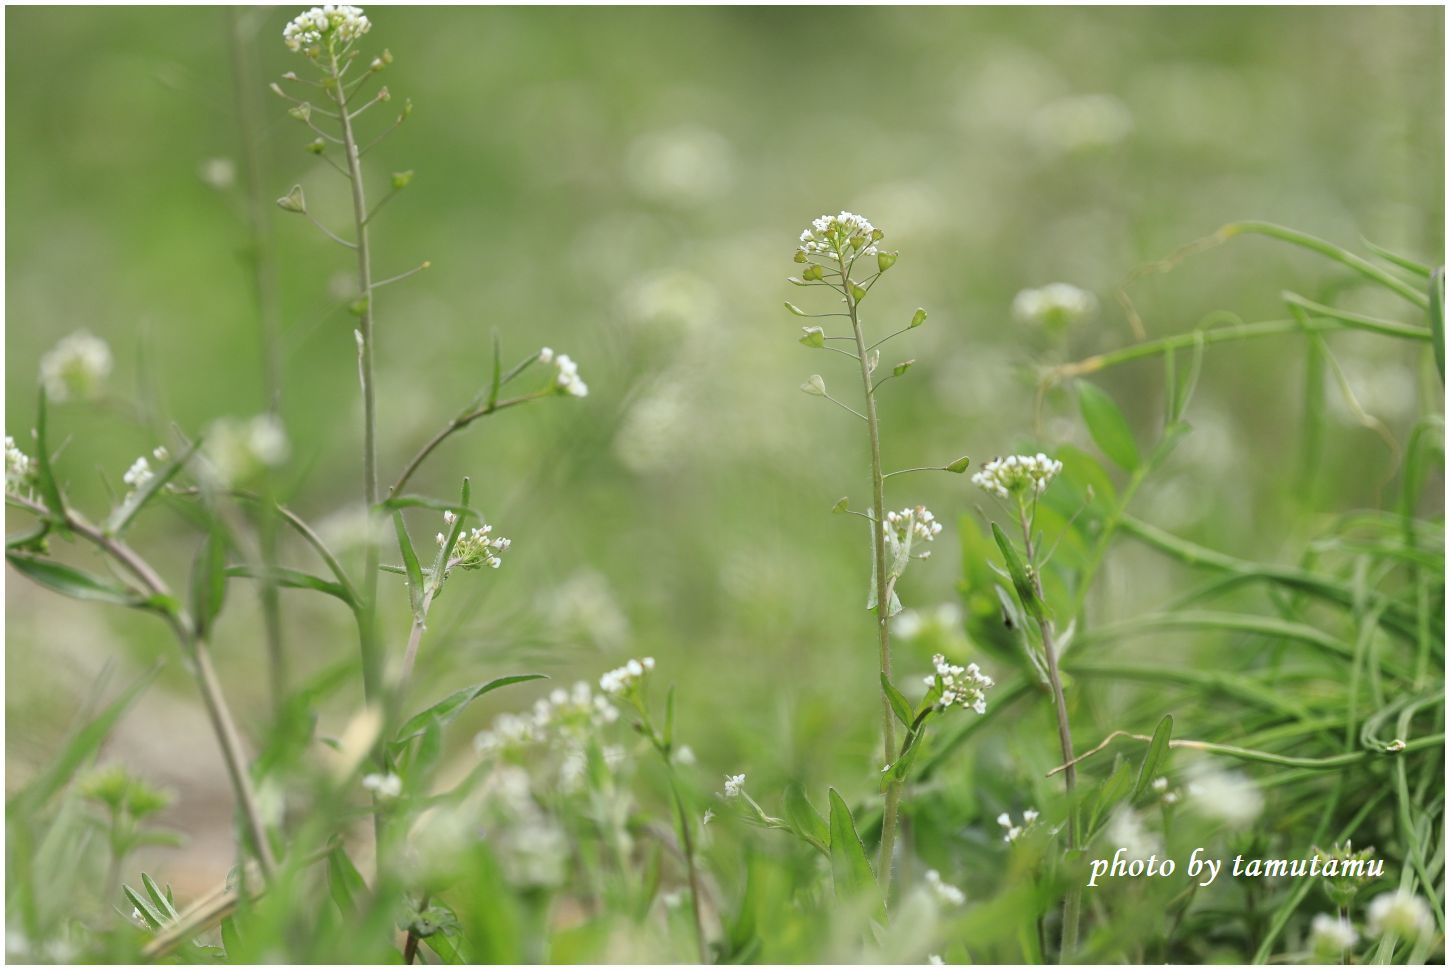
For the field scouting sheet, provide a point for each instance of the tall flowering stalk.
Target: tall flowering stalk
(830, 248)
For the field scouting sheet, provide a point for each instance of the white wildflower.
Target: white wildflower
(219, 173)
(838, 236)
(1331, 935)
(139, 475)
(622, 680)
(384, 786)
(1010, 832)
(734, 784)
(919, 523)
(1227, 796)
(337, 24)
(944, 891)
(1402, 913)
(475, 548)
(1056, 305)
(76, 368)
(566, 373)
(1017, 474)
(966, 686)
(934, 959)
(684, 755)
(19, 469)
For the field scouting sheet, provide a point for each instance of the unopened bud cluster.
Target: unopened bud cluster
(1016, 474)
(1011, 833)
(966, 686)
(566, 376)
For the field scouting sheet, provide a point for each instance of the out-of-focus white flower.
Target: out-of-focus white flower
(734, 784)
(76, 368)
(687, 165)
(384, 786)
(1017, 474)
(139, 475)
(623, 679)
(1227, 796)
(1080, 122)
(709, 814)
(337, 24)
(219, 173)
(1169, 797)
(1055, 305)
(684, 755)
(1330, 935)
(1011, 832)
(1402, 913)
(237, 451)
(966, 686)
(19, 469)
(944, 891)
(585, 607)
(934, 959)
(1126, 831)
(834, 237)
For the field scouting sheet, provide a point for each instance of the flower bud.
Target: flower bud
(293, 201)
(401, 179)
(815, 385)
(384, 94)
(885, 261)
(917, 318)
(813, 337)
(794, 309)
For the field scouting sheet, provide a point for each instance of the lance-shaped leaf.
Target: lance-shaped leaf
(851, 871)
(410, 564)
(44, 472)
(209, 580)
(1108, 426)
(69, 581)
(804, 818)
(291, 579)
(450, 707)
(899, 704)
(1153, 760)
(1021, 581)
(497, 381)
(1437, 317)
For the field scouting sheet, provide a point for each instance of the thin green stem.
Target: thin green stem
(883, 605)
(456, 425)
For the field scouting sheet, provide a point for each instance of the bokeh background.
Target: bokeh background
(627, 186)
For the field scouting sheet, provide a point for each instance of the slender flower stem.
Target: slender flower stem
(454, 426)
(687, 845)
(883, 606)
(371, 661)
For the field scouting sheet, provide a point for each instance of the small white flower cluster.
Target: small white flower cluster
(19, 469)
(139, 475)
(734, 785)
(567, 379)
(237, 451)
(1330, 935)
(1402, 913)
(966, 686)
(1228, 796)
(944, 891)
(335, 22)
(475, 548)
(1011, 833)
(621, 680)
(577, 712)
(76, 368)
(1055, 304)
(830, 236)
(384, 786)
(1005, 477)
(918, 522)
(1160, 785)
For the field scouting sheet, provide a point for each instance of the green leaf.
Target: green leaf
(149, 915)
(231, 940)
(449, 707)
(1108, 426)
(917, 319)
(1154, 758)
(82, 746)
(851, 871)
(44, 472)
(344, 881)
(410, 563)
(1112, 791)
(497, 381)
(958, 466)
(902, 764)
(902, 367)
(425, 502)
(69, 581)
(29, 540)
(291, 579)
(669, 718)
(804, 819)
(842, 504)
(209, 581)
(1437, 317)
(899, 703)
(137, 500)
(1403, 262)
(1021, 582)
(163, 902)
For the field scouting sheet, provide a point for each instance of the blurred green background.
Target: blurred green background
(627, 186)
